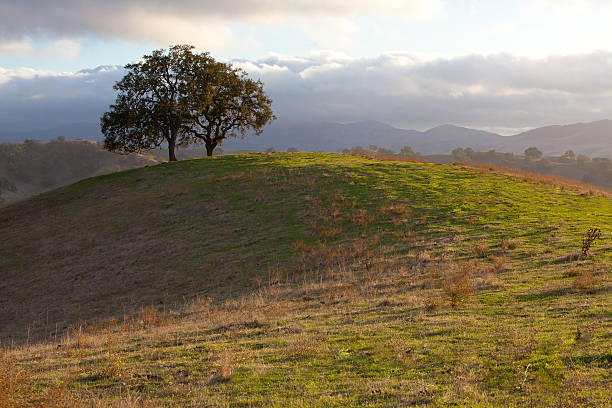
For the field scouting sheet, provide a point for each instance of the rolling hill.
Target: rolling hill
(331, 137)
(591, 139)
(306, 279)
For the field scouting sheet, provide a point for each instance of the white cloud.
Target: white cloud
(500, 91)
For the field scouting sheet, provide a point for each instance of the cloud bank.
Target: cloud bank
(497, 92)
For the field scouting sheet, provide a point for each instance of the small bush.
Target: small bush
(509, 244)
(224, 366)
(457, 283)
(433, 302)
(480, 250)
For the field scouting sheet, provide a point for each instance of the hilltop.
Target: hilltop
(306, 279)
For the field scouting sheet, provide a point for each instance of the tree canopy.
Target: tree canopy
(181, 98)
(533, 153)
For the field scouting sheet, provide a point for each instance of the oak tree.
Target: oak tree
(180, 98)
(224, 103)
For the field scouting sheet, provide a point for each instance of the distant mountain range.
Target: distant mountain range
(592, 139)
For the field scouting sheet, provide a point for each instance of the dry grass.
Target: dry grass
(587, 281)
(404, 350)
(537, 178)
(362, 218)
(13, 381)
(306, 346)
(500, 264)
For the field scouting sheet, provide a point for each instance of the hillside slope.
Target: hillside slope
(32, 167)
(307, 279)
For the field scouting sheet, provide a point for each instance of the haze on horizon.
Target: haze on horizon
(503, 66)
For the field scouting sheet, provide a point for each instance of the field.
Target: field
(308, 280)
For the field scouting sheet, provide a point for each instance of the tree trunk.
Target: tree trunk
(171, 136)
(171, 150)
(210, 149)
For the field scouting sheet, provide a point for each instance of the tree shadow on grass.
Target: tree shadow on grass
(547, 294)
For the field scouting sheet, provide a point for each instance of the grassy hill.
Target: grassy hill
(32, 167)
(306, 279)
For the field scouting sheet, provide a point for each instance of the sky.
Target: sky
(499, 65)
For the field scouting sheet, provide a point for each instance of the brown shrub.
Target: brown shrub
(362, 218)
(509, 244)
(394, 209)
(480, 250)
(457, 283)
(433, 301)
(473, 220)
(224, 366)
(275, 275)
